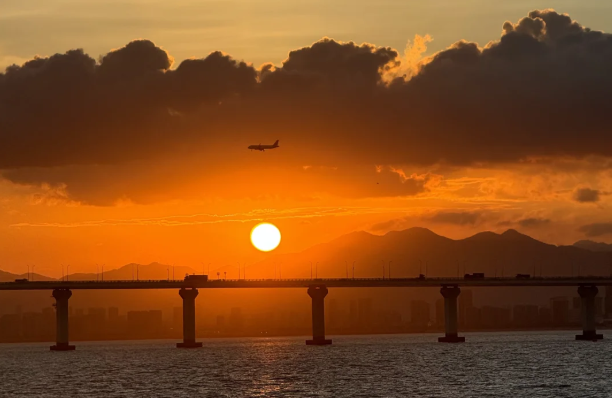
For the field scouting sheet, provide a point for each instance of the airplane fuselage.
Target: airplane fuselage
(263, 147)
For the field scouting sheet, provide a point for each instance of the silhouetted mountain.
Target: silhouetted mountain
(419, 250)
(9, 277)
(153, 271)
(594, 246)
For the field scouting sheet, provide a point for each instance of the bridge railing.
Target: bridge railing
(315, 280)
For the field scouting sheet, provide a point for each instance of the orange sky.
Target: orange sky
(190, 192)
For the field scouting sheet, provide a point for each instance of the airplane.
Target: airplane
(264, 147)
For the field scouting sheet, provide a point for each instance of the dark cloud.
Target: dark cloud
(461, 218)
(597, 229)
(396, 223)
(533, 222)
(457, 218)
(586, 195)
(541, 90)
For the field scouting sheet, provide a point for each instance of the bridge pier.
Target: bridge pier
(450, 294)
(189, 335)
(587, 295)
(61, 314)
(318, 293)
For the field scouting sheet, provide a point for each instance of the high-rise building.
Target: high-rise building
(113, 314)
(472, 318)
(599, 305)
(177, 320)
(353, 313)
(608, 301)
(559, 307)
(440, 312)
(236, 319)
(419, 313)
(545, 316)
(466, 300)
(525, 315)
(145, 323)
(332, 314)
(365, 313)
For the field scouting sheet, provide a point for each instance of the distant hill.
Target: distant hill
(155, 271)
(419, 250)
(408, 252)
(9, 277)
(412, 251)
(594, 246)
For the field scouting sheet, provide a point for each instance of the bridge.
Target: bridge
(450, 288)
(305, 283)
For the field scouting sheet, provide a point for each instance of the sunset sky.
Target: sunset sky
(455, 116)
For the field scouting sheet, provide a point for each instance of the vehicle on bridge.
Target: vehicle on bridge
(523, 276)
(23, 280)
(475, 275)
(196, 278)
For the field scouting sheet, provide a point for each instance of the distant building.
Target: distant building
(473, 318)
(145, 324)
(495, 317)
(332, 314)
(177, 321)
(465, 301)
(365, 313)
(608, 301)
(545, 316)
(440, 312)
(10, 327)
(95, 322)
(221, 325)
(353, 314)
(113, 314)
(525, 315)
(419, 313)
(236, 319)
(599, 305)
(559, 307)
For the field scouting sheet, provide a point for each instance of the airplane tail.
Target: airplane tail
(276, 143)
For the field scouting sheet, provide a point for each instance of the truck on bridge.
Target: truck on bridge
(196, 278)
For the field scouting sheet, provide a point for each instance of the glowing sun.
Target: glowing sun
(265, 237)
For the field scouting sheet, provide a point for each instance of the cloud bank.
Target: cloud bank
(541, 90)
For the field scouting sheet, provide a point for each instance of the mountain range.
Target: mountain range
(419, 250)
(406, 253)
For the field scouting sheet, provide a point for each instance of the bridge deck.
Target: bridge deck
(304, 283)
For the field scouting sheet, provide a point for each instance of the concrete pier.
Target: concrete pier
(587, 294)
(450, 294)
(189, 296)
(318, 293)
(61, 313)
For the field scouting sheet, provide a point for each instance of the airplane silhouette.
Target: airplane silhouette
(264, 147)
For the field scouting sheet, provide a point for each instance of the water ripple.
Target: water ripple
(488, 365)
